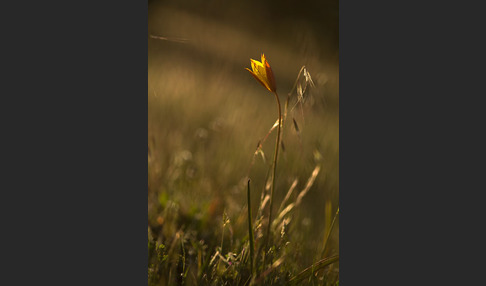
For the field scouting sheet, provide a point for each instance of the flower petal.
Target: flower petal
(270, 77)
(259, 80)
(263, 73)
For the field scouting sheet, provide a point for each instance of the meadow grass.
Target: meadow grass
(199, 231)
(211, 146)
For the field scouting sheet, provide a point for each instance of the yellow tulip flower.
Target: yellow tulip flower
(263, 73)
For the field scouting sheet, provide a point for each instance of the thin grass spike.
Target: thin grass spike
(250, 231)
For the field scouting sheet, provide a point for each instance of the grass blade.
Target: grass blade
(329, 232)
(250, 230)
(314, 268)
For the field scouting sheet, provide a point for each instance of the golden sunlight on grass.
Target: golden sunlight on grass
(210, 131)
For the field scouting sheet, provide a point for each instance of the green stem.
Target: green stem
(250, 230)
(329, 232)
(277, 143)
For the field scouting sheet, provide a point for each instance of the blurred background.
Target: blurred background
(206, 115)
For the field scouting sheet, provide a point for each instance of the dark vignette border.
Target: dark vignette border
(74, 191)
(409, 130)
